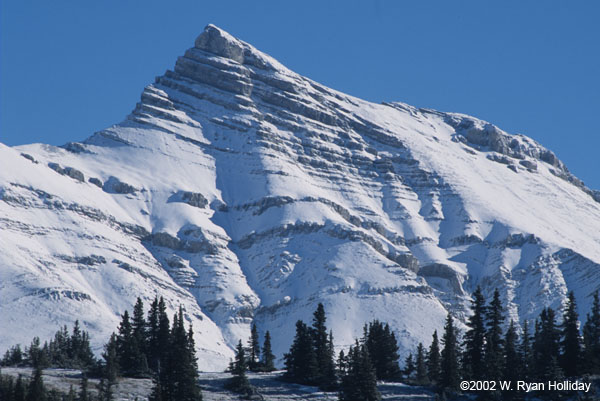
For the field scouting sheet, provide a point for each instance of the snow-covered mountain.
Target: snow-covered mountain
(248, 193)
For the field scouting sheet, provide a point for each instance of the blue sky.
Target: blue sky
(70, 68)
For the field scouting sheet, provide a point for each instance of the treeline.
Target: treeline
(548, 351)
(149, 347)
(251, 358)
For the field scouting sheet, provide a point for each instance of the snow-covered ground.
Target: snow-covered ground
(248, 194)
(268, 386)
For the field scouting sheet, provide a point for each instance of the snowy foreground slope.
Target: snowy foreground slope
(248, 193)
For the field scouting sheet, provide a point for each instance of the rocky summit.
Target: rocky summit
(248, 194)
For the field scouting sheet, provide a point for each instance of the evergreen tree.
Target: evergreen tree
(182, 374)
(164, 333)
(301, 361)
(360, 381)
(268, 359)
(450, 375)
(409, 367)
(383, 350)
(111, 360)
(546, 346)
(126, 347)
(139, 326)
(570, 341)
(36, 390)
(239, 381)
(512, 366)
(323, 348)
(20, 392)
(434, 360)
(591, 338)
(83, 392)
(526, 353)
(474, 344)
(494, 342)
(342, 364)
(421, 366)
(152, 331)
(105, 390)
(253, 350)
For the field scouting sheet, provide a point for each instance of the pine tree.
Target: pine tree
(434, 360)
(512, 364)
(268, 359)
(36, 390)
(180, 382)
(591, 338)
(111, 360)
(474, 344)
(526, 353)
(494, 342)
(20, 392)
(421, 366)
(360, 382)
(239, 381)
(383, 350)
(409, 367)
(139, 326)
(253, 350)
(301, 361)
(450, 375)
(83, 392)
(546, 345)
(152, 331)
(125, 346)
(323, 350)
(570, 341)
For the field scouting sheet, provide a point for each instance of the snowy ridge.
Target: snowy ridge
(247, 192)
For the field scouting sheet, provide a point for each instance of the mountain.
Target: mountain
(248, 193)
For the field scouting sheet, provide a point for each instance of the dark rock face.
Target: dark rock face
(114, 185)
(96, 182)
(194, 199)
(68, 171)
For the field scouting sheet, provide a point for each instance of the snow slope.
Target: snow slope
(248, 193)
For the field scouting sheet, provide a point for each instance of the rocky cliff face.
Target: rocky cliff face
(248, 193)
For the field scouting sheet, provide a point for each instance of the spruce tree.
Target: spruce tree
(494, 340)
(420, 366)
(591, 338)
(546, 346)
(383, 350)
(83, 392)
(360, 381)
(239, 381)
(126, 348)
(570, 343)
(474, 344)
(253, 350)
(434, 360)
(409, 367)
(512, 364)
(20, 391)
(268, 359)
(180, 382)
(323, 348)
(301, 361)
(450, 374)
(111, 360)
(526, 353)
(36, 390)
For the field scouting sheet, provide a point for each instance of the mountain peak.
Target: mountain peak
(221, 43)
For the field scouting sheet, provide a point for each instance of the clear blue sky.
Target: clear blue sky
(70, 68)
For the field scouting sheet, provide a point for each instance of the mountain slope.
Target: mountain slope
(249, 193)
